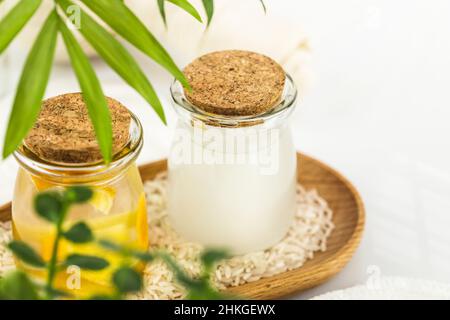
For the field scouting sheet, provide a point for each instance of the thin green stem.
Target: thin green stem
(54, 258)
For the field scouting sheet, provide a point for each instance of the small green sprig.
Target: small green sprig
(196, 288)
(53, 207)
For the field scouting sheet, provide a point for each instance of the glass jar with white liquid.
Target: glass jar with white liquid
(232, 178)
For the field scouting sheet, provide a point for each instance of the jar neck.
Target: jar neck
(89, 173)
(277, 115)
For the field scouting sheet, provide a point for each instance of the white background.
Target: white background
(378, 112)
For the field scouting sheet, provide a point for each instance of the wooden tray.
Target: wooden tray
(348, 218)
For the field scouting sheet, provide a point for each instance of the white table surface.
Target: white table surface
(379, 113)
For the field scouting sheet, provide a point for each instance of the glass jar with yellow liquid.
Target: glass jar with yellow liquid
(61, 151)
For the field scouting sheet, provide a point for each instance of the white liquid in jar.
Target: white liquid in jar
(235, 206)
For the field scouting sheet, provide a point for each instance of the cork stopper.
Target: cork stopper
(64, 133)
(235, 83)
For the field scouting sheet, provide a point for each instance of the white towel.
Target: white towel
(392, 288)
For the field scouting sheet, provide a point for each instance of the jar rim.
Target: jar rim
(85, 171)
(186, 109)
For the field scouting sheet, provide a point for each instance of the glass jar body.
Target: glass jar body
(116, 212)
(236, 189)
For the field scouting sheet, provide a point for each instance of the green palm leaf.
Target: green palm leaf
(122, 20)
(162, 10)
(92, 93)
(183, 4)
(209, 9)
(32, 84)
(263, 5)
(15, 20)
(115, 54)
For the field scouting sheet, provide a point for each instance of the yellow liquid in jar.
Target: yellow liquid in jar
(128, 228)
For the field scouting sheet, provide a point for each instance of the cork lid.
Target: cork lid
(235, 83)
(64, 133)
